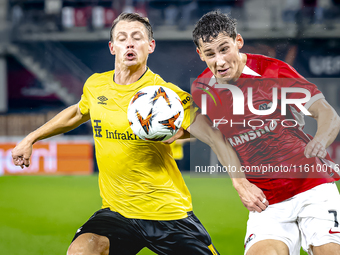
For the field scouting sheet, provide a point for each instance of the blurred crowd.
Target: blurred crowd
(58, 15)
(96, 14)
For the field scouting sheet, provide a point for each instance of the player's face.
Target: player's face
(222, 57)
(131, 44)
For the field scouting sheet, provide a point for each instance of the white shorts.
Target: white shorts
(311, 218)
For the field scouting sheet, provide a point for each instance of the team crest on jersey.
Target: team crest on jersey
(249, 239)
(102, 99)
(265, 106)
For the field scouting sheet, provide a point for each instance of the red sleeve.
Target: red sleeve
(197, 85)
(289, 77)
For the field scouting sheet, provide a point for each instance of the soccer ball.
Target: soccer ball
(155, 113)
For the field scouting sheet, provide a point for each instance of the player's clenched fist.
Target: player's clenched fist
(251, 196)
(21, 154)
(315, 149)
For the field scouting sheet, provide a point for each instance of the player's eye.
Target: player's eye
(224, 49)
(209, 54)
(121, 38)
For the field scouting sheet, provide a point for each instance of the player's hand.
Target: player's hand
(251, 196)
(21, 154)
(315, 148)
(178, 135)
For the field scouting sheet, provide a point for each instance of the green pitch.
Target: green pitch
(40, 214)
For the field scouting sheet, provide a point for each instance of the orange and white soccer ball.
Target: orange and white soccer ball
(155, 113)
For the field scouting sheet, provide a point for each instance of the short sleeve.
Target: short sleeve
(189, 111)
(289, 77)
(84, 103)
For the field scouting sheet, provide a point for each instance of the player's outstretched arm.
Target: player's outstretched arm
(63, 122)
(327, 130)
(251, 196)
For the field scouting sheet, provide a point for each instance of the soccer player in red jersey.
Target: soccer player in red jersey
(258, 104)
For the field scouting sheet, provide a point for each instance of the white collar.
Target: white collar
(248, 71)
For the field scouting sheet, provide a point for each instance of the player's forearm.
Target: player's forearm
(63, 122)
(227, 156)
(185, 135)
(328, 126)
(201, 129)
(251, 196)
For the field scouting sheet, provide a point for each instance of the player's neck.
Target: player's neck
(126, 76)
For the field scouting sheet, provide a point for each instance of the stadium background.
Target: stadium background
(48, 48)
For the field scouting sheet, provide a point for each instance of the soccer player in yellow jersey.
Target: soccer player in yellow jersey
(145, 200)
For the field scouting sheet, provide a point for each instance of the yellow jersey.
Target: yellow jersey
(138, 179)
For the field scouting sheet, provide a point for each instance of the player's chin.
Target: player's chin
(131, 62)
(224, 78)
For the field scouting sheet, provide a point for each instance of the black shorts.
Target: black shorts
(129, 236)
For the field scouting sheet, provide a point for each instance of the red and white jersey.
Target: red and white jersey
(270, 147)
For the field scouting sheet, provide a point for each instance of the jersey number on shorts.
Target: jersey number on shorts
(336, 223)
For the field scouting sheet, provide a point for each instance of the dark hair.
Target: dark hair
(211, 25)
(132, 17)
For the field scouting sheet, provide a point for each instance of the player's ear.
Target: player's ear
(112, 50)
(200, 54)
(152, 46)
(239, 41)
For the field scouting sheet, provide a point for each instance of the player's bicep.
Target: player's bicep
(202, 129)
(321, 106)
(72, 116)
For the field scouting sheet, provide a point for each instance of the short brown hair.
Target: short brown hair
(133, 17)
(211, 25)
